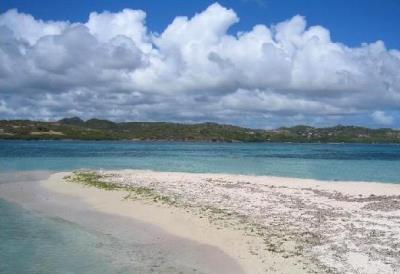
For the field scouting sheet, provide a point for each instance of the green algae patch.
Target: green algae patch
(91, 178)
(94, 179)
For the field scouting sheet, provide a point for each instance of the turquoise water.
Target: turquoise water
(356, 162)
(32, 243)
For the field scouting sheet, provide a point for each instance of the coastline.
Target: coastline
(265, 224)
(303, 224)
(142, 247)
(246, 250)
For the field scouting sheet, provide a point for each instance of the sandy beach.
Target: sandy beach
(146, 248)
(250, 224)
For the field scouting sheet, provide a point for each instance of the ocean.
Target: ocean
(348, 162)
(31, 242)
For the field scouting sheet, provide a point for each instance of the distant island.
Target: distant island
(95, 129)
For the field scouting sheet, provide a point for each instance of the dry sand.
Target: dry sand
(135, 246)
(266, 224)
(247, 250)
(270, 224)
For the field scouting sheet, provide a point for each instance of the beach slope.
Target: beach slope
(261, 224)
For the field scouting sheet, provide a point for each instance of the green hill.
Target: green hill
(96, 129)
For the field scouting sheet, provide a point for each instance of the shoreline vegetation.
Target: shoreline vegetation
(95, 129)
(306, 225)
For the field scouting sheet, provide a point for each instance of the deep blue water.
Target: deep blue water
(359, 162)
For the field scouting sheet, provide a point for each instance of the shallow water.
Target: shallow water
(351, 162)
(46, 232)
(31, 242)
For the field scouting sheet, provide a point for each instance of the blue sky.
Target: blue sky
(351, 21)
(255, 63)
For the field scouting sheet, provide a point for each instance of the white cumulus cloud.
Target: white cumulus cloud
(113, 66)
(382, 118)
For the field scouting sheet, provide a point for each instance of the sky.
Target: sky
(254, 63)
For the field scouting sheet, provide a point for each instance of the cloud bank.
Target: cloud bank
(114, 67)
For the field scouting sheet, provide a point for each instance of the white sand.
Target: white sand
(268, 224)
(145, 248)
(247, 250)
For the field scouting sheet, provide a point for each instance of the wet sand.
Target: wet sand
(171, 254)
(282, 225)
(239, 223)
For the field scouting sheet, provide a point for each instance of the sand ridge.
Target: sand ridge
(269, 224)
(247, 250)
